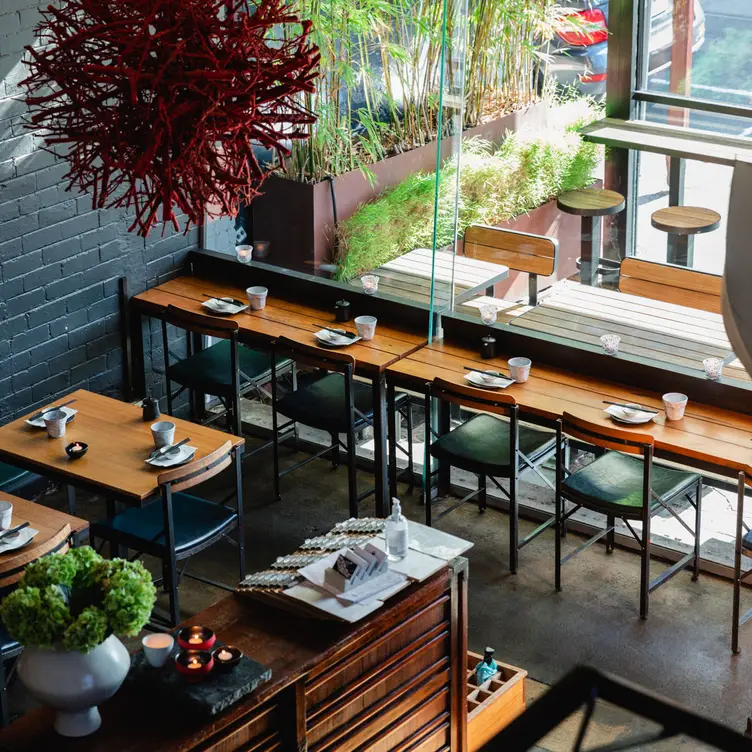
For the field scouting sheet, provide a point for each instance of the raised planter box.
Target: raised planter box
(493, 704)
(298, 218)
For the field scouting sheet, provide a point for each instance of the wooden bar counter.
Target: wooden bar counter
(394, 681)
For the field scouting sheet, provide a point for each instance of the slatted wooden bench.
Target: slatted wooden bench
(671, 284)
(537, 255)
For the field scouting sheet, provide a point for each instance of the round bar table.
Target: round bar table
(591, 204)
(682, 223)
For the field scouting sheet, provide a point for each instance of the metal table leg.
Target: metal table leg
(590, 250)
(681, 250)
(379, 439)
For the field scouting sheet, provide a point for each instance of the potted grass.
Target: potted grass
(512, 185)
(69, 612)
(377, 100)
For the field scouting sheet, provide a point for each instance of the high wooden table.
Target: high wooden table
(707, 437)
(119, 443)
(664, 332)
(56, 530)
(394, 681)
(298, 322)
(409, 276)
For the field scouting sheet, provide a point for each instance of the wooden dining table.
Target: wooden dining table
(119, 443)
(707, 437)
(56, 530)
(297, 321)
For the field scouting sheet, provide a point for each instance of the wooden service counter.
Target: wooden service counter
(395, 681)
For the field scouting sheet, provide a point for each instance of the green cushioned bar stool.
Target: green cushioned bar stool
(623, 485)
(227, 370)
(178, 525)
(487, 446)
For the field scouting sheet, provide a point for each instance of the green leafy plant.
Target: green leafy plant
(495, 184)
(74, 601)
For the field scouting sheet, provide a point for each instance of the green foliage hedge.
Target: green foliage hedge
(496, 184)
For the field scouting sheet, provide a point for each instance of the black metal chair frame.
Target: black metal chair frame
(628, 443)
(739, 576)
(170, 482)
(332, 362)
(501, 405)
(405, 410)
(195, 325)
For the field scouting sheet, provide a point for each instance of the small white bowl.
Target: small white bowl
(631, 410)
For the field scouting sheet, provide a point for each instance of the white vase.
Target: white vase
(75, 683)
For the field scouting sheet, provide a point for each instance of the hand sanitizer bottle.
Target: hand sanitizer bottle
(395, 533)
(486, 668)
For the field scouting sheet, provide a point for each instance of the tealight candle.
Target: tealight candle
(370, 283)
(195, 639)
(244, 253)
(224, 655)
(194, 663)
(157, 648)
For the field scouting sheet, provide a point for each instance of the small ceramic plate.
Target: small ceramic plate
(330, 339)
(183, 455)
(223, 309)
(630, 418)
(486, 382)
(23, 538)
(39, 422)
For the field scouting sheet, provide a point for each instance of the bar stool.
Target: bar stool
(682, 223)
(631, 488)
(591, 204)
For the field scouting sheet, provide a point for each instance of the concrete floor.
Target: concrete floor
(682, 651)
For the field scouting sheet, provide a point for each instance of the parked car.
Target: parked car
(578, 54)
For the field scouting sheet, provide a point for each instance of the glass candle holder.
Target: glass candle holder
(488, 313)
(370, 283)
(244, 253)
(610, 343)
(713, 368)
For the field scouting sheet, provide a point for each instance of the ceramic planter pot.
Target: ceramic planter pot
(75, 683)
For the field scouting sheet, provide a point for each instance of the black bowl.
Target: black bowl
(76, 454)
(226, 665)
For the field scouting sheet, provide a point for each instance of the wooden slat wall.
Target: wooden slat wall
(671, 284)
(535, 254)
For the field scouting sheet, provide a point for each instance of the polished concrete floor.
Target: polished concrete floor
(681, 651)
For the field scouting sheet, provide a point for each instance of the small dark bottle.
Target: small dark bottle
(342, 310)
(150, 409)
(488, 347)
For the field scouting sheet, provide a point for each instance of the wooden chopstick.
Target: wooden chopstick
(341, 332)
(632, 407)
(497, 374)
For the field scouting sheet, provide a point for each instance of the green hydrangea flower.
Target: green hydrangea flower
(88, 630)
(87, 561)
(55, 569)
(36, 617)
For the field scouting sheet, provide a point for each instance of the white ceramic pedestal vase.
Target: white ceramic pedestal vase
(75, 683)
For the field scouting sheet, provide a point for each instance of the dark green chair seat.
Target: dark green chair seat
(196, 522)
(481, 445)
(12, 478)
(322, 404)
(616, 480)
(210, 370)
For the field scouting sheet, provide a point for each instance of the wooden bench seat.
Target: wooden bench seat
(671, 284)
(537, 255)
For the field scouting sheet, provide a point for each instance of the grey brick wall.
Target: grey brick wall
(60, 261)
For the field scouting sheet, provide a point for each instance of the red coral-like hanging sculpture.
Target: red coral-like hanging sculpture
(159, 102)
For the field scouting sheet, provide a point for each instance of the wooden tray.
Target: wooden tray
(493, 704)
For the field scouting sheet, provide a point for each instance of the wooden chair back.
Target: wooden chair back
(199, 471)
(607, 437)
(316, 357)
(12, 569)
(671, 284)
(472, 397)
(521, 251)
(199, 323)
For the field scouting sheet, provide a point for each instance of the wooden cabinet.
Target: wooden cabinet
(395, 681)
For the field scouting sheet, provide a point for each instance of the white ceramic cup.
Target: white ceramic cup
(713, 368)
(6, 514)
(257, 297)
(488, 313)
(157, 648)
(163, 432)
(244, 253)
(370, 283)
(675, 403)
(519, 369)
(55, 421)
(610, 343)
(366, 326)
